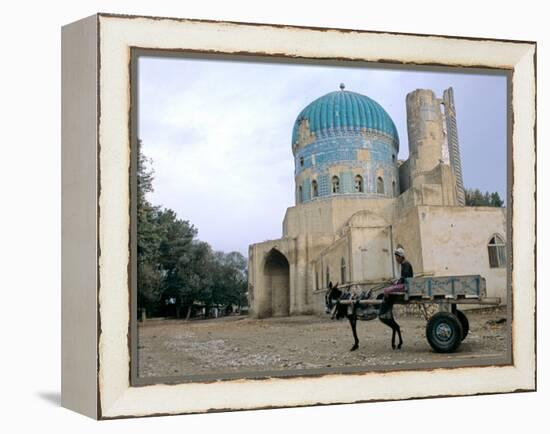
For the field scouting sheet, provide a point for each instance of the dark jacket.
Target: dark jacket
(406, 271)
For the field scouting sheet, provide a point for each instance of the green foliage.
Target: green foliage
(474, 197)
(172, 264)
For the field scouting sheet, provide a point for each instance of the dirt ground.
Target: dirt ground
(240, 344)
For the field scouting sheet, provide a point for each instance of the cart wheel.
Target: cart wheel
(444, 332)
(464, 322)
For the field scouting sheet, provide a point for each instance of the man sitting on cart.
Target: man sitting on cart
(398, 285)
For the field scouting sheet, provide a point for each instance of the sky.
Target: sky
(219, 134)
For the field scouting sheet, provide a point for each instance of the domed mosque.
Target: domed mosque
(356, 202)
(345, 143)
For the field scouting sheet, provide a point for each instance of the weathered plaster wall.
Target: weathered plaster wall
(329, 264)
(371, 249)
(434, 187)
(406, 234)
(454, 241)
(261, 298)
(265, 282)
(330, 215)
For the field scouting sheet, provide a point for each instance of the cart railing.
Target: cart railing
(489, 301)
(464, 289)
(467, 286)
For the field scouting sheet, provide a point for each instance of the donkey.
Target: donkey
(385, 312)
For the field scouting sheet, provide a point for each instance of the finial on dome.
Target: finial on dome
(342, 86)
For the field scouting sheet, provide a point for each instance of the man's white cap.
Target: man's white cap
(399, 252)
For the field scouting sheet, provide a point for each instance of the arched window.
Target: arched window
(327, 276)
(497, 252)
(300, 194)
(314, 188)
(359, 184)
(335, 184)
(301, 161)
(394, 188)
(379, 185)
(343, 270)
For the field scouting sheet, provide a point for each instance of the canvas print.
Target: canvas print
(307, 218)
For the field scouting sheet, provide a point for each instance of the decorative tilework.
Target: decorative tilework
(346, 182)
(306, 190)
(343, 124)
(347, 111)
(344, 151)
(324, 186)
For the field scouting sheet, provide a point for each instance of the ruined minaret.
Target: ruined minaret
(430, 168)
(452, 139)
(433, 146)
(425, 131)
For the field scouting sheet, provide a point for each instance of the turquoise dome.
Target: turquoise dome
(344, 111)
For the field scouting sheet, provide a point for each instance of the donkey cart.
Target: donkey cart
(447, 328)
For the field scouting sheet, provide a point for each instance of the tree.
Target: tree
(174, 265)
(177, 257)
(474, 197)
(496, 200)
(230, 279)
(148, 240)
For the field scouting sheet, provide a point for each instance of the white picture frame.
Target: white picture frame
(96, 377)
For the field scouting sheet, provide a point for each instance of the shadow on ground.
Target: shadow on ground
(52, 398)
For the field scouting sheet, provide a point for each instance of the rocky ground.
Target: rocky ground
(240, 344)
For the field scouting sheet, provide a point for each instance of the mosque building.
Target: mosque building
(356, 202)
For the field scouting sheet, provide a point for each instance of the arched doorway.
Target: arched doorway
(277, 279)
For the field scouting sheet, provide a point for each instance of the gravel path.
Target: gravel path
(240, 344)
